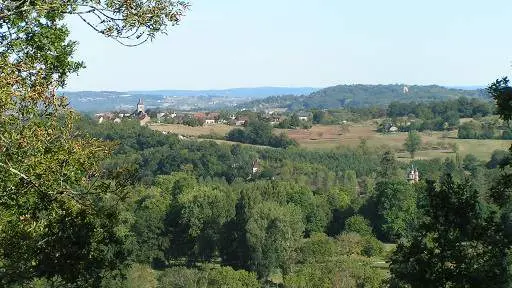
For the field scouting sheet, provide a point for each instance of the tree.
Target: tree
(319, 248)
(501, 92)
(350, 182)
(470, 163)
(389, 166)
(499, 158)
(358, 224)
(273, 234)
(459, 243)
(412, 143)
(395, 210)
(57, 217)
(140, 276)
(343, 272)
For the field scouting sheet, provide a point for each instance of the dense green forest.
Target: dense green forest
(89, 205)
(364, 96)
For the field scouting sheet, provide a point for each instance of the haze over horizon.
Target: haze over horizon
(222, 45)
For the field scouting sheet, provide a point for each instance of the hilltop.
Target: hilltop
(364, 95)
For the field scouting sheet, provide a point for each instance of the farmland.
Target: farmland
(436, 144)
(185, 130)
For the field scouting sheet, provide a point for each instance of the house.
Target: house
(209, 121)
(214, 115)
(144, 119)
(276, 119)
(241, 121)
(102, 117)
(305, 116)
(160, 116)
(199, 116)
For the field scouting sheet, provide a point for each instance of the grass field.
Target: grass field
(330, 137)
(192, 131)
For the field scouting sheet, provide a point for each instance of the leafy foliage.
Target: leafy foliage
(501, 92)
(459, 243)
(412, 143)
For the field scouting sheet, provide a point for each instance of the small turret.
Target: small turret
(413, 176)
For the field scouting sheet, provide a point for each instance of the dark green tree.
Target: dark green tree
(501, 92)
(273, 234)
(459, 242)
(358, 224)
(395, 211)
(412, 143)
(389, 166)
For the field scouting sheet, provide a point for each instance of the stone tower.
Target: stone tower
(140, 106)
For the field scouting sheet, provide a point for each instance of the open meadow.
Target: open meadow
(184, 130)
(436, 144)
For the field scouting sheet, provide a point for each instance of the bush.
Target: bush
(140, 276)
(358, 224)
(319, 248)
(226, 277)
(372, 247)
(181, 277)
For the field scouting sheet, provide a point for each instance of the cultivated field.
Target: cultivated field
(329, 137)
(184, 130)
(332, 136)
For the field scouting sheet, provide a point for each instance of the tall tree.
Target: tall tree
(273, 234)
(501, 92)
(458, 244)
(395, 209)
(412, 143)
(389, 166)
(54, 222)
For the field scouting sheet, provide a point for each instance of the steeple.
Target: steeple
(140, 106)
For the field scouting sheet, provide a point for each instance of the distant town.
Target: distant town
(145, 116)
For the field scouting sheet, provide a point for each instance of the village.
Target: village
(194, 119)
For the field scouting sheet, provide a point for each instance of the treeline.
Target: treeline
(259, 132)
(485, 129)
(434, 116)
(462, 108)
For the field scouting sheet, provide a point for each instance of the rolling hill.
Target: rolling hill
(364, 95)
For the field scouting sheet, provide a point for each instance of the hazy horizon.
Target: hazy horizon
(224, 45)
(462, 87)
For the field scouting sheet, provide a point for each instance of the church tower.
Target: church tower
(140, 106)
(413, 176)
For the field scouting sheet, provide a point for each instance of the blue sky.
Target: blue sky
(233, 43)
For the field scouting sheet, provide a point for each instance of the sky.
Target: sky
(297, 43)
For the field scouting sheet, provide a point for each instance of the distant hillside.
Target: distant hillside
(364, 95)
(175, 99)
(257, 92)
